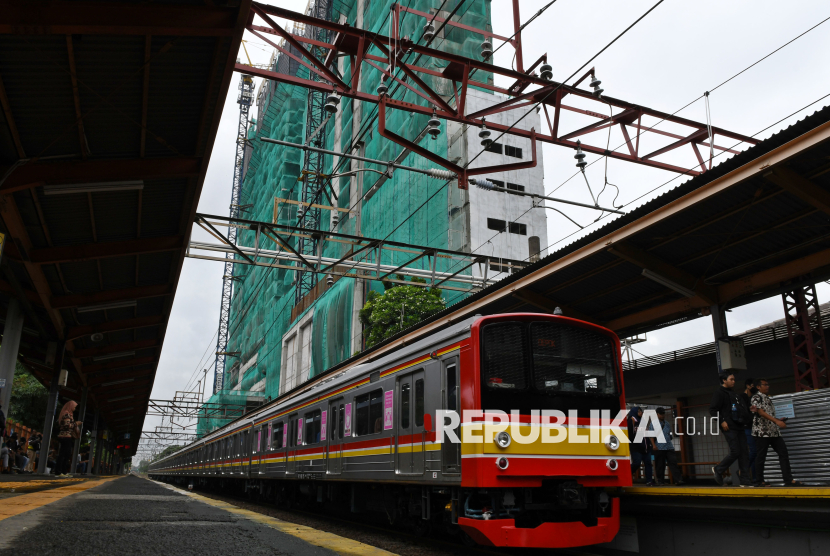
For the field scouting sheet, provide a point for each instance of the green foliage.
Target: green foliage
(29, 397)
(167, 451)
(143, 466)
(398, 308)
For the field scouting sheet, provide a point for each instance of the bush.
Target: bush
(398, 308)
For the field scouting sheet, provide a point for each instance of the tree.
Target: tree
(167, 451)
(396, 309)
(143, 466)
(29, 397)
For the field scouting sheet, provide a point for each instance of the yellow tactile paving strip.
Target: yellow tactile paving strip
(22, 486)
(17, 505)
(330, 541)
(732, 492)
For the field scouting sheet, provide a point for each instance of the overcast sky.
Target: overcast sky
(667, 60)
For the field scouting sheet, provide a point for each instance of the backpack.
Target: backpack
(740, 413)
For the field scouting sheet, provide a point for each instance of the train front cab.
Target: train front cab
(537, 494)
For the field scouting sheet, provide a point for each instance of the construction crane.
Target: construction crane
(244, 99)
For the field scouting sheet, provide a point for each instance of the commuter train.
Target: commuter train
(363, 438)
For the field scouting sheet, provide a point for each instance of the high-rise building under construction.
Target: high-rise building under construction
(284, 325)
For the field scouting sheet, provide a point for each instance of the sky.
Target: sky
(671, 57)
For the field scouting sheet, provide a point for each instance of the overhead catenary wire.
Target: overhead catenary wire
(641, 131)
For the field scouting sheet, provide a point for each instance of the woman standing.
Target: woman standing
(69, 429)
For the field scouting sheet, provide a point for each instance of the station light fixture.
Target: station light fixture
(70, 188)
(114, 382)
(113, 355)
(122, 410)
(122, 398)
(107, 306)
(662, 280)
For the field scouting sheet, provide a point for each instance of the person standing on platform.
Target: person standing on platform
(69, 430)
(767, 432)
(34, 446)
(664, 452)
(749, 391)
(733, 417)
(639, 451)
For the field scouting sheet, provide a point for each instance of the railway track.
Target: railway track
(372, 532)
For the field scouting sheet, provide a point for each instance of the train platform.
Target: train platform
(131, 515)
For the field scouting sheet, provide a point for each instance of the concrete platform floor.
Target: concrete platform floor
(130, 515)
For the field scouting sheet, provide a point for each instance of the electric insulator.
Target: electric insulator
(332, 102)
(595, 84)
(580, 157)
(484, 135)
(382, 88)
(486, 49)
(335, 220)
(546, 71)
(483, 184)
(441, 174)
(329, 280)
(434, 125)
(429, 31)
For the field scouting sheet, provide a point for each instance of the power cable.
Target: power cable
(713, 89)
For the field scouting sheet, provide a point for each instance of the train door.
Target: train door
(337, 412)
(450, 451)
(256, 451)
(293, 441)
(247, 444)
(411, 434)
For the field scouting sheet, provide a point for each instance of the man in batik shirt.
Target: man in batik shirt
(766, 429)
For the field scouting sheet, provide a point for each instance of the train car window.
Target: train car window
(342, 421)
(277, 435)
(420, 407)
(333, 422)
(369, 413)
(311, 422)
(452, 389)
(405, 405)
(505, 357)
(268, 437)
(571, 359)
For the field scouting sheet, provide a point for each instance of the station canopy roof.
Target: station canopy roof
(109, 114)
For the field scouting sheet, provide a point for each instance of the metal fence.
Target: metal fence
(806, 438)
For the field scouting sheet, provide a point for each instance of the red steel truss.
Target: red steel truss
(807, 343)
(460, 71)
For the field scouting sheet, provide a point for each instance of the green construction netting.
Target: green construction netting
(409, 207)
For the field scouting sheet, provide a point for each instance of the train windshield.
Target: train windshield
(547, 365)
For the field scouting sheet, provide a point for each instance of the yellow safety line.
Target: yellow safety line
(733, 492)
(17, 505)
(335, 543)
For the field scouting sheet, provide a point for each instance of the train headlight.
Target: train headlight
(612, 442)
(503, 439)
(612, 464)
(502, 463)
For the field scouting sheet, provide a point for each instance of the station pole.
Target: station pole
(82, 416)
(51, 405)
(12, 331)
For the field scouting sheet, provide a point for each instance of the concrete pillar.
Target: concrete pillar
(719, 322)
(12, 331)
(81, 417)
(93, 441)
(51, 406)
(99, 446)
